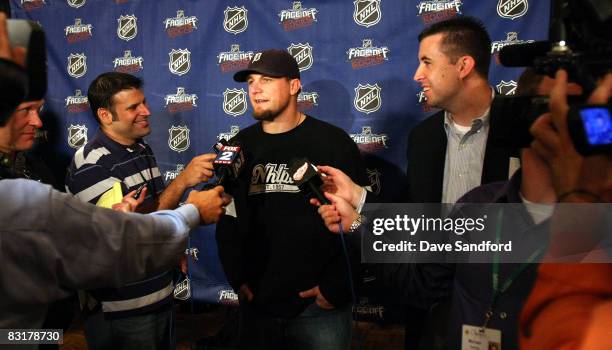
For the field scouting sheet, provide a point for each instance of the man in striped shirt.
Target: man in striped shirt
(137, 315)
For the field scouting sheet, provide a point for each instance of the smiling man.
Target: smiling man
(291, 274)
(139, 315)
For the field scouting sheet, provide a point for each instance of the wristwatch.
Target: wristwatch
(355, 224)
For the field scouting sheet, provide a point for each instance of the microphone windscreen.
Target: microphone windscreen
(523, 55)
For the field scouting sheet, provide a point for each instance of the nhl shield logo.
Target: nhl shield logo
(76, 3)
(179, 138)
(77, 65)
(234, 102)
(367, 12)
(302, 54)
(182, 290)
(512, 9)
(507, 88)
(367, 98)
(127, 28)
(77, 135)
(235, 20)
(180, 61)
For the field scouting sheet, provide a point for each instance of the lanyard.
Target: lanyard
(497, 289)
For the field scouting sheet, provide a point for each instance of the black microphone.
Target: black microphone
(229, 161)
(306, 177)
(523, 55)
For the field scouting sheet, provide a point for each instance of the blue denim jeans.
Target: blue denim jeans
(153, 331)
(313, 329)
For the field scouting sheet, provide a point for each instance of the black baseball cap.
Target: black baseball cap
(273, 62)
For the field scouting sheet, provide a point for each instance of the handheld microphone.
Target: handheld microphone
(229, 161)
(306, 177)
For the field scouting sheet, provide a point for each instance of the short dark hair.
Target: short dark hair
(463, 35)
(105, 86)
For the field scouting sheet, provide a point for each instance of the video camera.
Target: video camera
(580, 41)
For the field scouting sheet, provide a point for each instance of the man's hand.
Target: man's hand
(210, 203)
(199, 169)
(338, 211)
(320, 299)
(552, 142)
(341, 185)
(245, 292)
(14, 54)
(128, 203)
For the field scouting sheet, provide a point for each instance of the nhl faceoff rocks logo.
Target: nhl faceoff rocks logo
(422, 100)
(181, 101)
(507, 88)
(76, 3)
(178, 139)
(368, 141)
(78, 31)
(180, 61)
(234, 60)
(235, 20)
(367, 55)
(302, 54)
(307, 100)
(367, 12)
(234, 101)
(172, 174)
(511, 39)
(77, 135)
(512, 9)
(228, 297)
(432, 11)
(77, 65)
(127, 63)
(180, 25)
(234, 129)
(297, 17)
(367, 98)
(30, 5)
(374, 178)
(127, 28)
(77, 103)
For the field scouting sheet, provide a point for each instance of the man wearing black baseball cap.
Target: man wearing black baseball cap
(291, 273)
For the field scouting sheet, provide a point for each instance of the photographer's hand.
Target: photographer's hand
(574, 177)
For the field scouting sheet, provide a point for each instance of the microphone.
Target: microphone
(523, 55)
(306, 177)
(229, 161)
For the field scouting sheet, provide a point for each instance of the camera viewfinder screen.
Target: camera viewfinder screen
(597, 125)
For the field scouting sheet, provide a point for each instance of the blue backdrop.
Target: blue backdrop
(357, 60)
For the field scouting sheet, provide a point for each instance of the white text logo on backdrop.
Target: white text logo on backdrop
(180, 25)
(512, 9)
(127, 28)
(30, 5)
(78, 31)
(507, 88)
(76, 3)
(128, 63)
(180, 61)
(172, 174)
(77, 65)
(367, 98)
(432, 11)
(307, 100)
(181, 101)
(234, 59)
(235, 19)
(297, 17)
(228, 297)
(422, 100)
(234, 129)
(178, 138)
(77, 135)
(302, 54)
(374, 178)
(234, 101)
(367, 55)
(368, 141)
(367, 12)
(511, 39)
(77, 103)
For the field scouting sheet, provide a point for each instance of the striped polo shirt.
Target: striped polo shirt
(95, 168)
